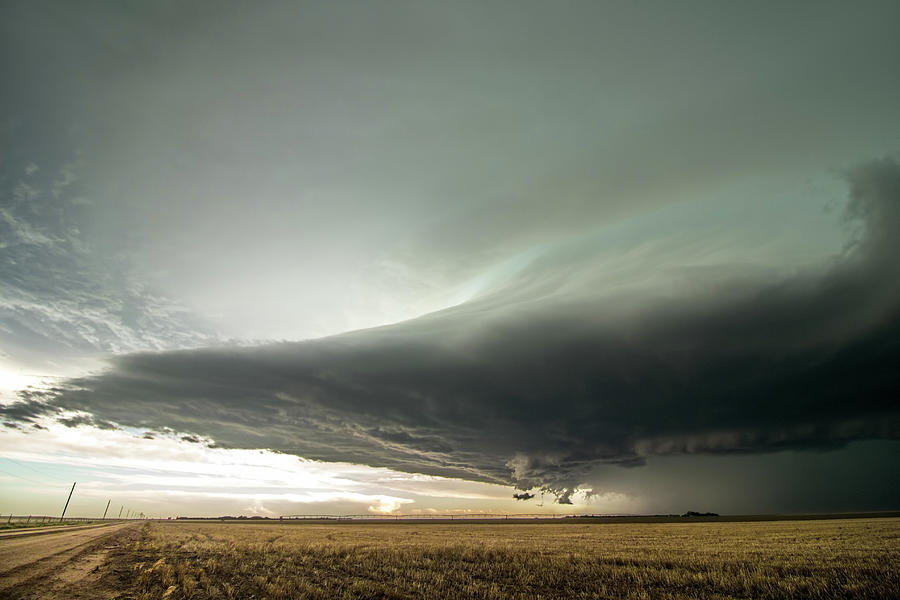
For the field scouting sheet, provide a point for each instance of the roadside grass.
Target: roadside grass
(857, 558)
(20, 524)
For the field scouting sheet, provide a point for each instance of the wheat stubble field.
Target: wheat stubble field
(856, 558)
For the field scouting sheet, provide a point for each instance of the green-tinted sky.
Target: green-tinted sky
(635, 254)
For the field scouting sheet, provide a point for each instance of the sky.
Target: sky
(418, 257)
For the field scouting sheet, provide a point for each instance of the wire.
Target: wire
(22, 464)
(26, 478)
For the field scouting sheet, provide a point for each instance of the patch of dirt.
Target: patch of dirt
(72, 567)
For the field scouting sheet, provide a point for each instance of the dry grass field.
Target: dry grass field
(857, 558)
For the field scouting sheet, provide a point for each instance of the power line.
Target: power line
(23, 464)
(25, 478)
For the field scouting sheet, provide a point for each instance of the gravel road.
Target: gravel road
(64, 564)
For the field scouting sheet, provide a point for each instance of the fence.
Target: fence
(18, 520)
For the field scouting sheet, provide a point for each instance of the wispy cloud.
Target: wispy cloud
(59, 294)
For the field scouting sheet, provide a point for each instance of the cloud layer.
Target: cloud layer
(551, 372)
(58, 295)
(591, 234)
(313, 168)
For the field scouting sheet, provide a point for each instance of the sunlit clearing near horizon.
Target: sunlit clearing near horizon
(11, 381)
(165, 472)
(506, 257)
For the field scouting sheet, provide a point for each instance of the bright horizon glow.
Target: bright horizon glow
(14, 381)
(633, 257)
(168, 476)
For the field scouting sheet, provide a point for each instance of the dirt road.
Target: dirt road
(65, 564)
(29, 531)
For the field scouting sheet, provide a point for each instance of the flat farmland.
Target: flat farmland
(852, 558)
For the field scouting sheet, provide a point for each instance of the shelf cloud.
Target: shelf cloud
(633, 256)
(531, 384)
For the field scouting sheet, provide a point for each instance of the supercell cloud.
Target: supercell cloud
(556, 247)
(535, 382)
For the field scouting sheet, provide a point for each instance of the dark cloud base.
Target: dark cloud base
(536, 393)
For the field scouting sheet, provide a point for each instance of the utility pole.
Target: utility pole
(67, 502)
(107, 508)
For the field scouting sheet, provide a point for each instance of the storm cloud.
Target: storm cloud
(313, 168)
(58, 295)
(533, 383)
(587, 250)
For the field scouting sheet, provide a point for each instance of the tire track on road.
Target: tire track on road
(52, 565)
